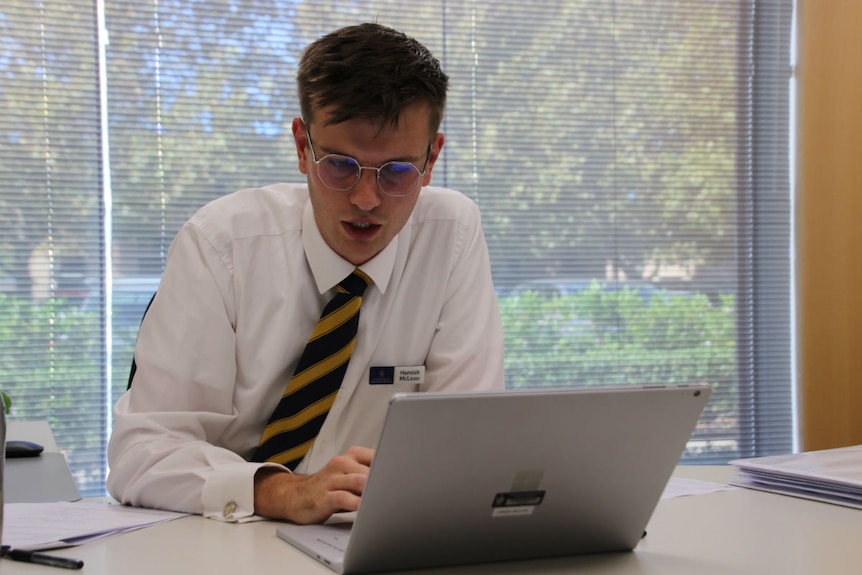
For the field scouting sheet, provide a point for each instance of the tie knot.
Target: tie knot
(355, 283)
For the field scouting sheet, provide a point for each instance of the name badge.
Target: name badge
(404, 375)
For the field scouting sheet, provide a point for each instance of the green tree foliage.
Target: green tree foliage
(55, 375)
(598, 136)
(587, 135)
(49, 136)
(588, 132)
(600, 337)
(200, 105)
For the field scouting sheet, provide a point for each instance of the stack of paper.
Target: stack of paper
(830, 475)
(62, 524)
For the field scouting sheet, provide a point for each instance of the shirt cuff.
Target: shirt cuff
(228, 493)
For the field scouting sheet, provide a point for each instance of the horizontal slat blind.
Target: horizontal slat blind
(51, 230)
(630, 158)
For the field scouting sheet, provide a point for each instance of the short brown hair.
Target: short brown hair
(370, 72)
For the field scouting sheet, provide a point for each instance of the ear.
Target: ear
(436, 148)
(300, 139)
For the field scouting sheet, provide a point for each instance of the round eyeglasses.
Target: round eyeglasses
(341, 173)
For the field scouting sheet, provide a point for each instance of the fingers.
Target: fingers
(363, 455)
(342, 501)
(340, 484)
(347, 482)
(313, 498)
(352, 482)
(354, 460)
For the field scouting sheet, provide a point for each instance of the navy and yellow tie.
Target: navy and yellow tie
(311, 391)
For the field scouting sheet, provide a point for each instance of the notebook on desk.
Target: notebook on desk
(470, 478)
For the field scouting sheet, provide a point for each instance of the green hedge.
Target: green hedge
(599, 337)
(51, 367)
(51, 357)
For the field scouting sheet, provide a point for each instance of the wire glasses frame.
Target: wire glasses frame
(341, 173)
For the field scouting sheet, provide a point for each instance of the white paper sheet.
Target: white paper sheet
(830, 475)
(64, 524)
(682, 487)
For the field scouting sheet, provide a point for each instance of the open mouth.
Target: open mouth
(361, 230)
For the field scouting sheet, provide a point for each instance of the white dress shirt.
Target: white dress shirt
(245, 281)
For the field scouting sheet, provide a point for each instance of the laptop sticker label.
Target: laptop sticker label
(515, 503)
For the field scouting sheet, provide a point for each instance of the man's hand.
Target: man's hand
(313, 498)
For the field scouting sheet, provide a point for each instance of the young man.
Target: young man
(248, 275)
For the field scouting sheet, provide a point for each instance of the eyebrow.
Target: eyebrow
(409, 159)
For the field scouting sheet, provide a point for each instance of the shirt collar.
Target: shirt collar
(329, 268)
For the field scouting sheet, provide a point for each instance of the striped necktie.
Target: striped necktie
(311, 391)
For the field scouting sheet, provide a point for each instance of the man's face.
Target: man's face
(358, 223)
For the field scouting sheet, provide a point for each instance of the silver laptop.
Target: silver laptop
(471, 478)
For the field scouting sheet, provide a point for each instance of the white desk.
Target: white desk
(37, 479)
(726, 533)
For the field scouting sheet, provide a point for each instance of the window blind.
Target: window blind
(51, 238)
(630, 158)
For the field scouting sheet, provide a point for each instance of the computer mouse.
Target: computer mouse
(22, 448)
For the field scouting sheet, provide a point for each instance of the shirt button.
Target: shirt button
(229, 508)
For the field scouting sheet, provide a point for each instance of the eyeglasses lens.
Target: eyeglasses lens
(398, 178)
(339, 172)
(394, 178)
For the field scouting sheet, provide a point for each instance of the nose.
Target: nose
(365, 195)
